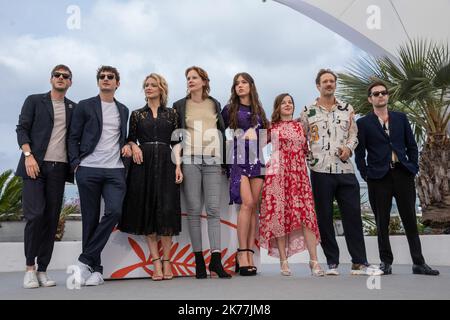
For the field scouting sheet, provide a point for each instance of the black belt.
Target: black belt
(156, 142)
(55, 163)
(397, 164)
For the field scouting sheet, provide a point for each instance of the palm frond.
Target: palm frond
(10, 193)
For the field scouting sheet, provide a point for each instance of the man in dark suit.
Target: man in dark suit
(392, 163)
(42, 136)
(97, 140)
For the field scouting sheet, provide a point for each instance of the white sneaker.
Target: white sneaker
(85, 272)
(366, 270)
(332, 270)
(44, 280)
(95, 279)
(30, 280)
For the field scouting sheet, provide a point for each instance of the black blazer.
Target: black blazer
(379, 145)
(86, 128)
(180, 108)
(35, 128)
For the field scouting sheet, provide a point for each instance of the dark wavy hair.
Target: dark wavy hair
(108, 69)
(256, 106)
(325, 71)
(276, 114)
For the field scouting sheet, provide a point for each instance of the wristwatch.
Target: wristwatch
(27, 153)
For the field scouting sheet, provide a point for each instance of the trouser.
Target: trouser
(345, 189)
(203, 182)
(93, 184)
(397, 183)
(41, 202)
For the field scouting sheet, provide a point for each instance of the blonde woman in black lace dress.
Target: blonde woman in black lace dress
(152, 203)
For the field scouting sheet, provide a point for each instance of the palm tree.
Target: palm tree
(419, 85)
(10, 195)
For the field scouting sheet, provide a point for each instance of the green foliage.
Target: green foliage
(336, 211)
(369, 225)
(10, 196)
(67, 210)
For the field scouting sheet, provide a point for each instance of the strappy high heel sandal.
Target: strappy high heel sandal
(165, 275)
(253, 267)
(284, 268)
(244, 270)
(155, 276)
(316, 270)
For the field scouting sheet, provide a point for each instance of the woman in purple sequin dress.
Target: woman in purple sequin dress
(245, 116)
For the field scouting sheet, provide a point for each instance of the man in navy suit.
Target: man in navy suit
(97, 140)
(392, 163)
(43, 166)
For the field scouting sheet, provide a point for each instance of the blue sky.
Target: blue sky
(281, 48)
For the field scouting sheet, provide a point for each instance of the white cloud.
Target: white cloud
(281, 49)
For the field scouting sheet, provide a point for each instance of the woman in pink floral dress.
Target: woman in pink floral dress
(288, 222)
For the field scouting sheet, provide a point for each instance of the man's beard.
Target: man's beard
(59, 89)
(380, 106)
(328, 94)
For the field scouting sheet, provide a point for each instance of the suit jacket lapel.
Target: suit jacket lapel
(49, 105)
(69, 109)
(98, 111)
(123, 118)
(392, 120)
(377, 124)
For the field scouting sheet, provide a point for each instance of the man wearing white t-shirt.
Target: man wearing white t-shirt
(96, 146)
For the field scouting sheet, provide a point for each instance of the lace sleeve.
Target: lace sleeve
(176, 121)
(132, 133)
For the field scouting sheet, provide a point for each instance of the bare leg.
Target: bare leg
(167, 266)
(152, 241)
(311, 244)
(284, 266)
(256, 185)
(281, 241)
(244, 218)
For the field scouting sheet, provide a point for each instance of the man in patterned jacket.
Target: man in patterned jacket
(332, 135)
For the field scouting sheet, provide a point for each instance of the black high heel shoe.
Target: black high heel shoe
(244, 270)
(200, 267)
(215, 266)
(253, 267)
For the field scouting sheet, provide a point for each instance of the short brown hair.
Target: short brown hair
(204, 75)
(108, 69)
(61, 66)
(324, 71)
(375, 84)
(276, 114)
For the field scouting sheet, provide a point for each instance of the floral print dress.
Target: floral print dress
(287, 203)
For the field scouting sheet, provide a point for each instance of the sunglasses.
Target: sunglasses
(109, 76)
(377, 93)
(59, 74)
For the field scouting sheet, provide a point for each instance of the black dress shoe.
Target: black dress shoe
(424, 269)
(386, 268)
